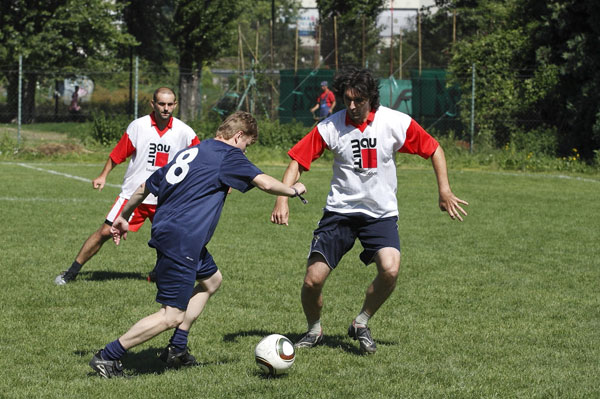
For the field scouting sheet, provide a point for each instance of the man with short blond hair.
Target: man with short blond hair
(191, 192)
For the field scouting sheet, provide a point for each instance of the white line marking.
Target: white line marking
(81, 165)
(54, 172)
(515, 174)
(41, 199)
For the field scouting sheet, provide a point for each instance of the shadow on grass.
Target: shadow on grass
(332, 341)
(104, 276)
(147, 362)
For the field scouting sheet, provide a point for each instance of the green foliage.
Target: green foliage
(206, 127)
(271, 133)
(60, 34)
(202, 29)
(8, 145)
(498, 87)
(57, 38)
(107, 130)
(541, 141)
(140, 18)
(535, 61)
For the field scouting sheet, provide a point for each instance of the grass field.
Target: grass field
(503, 305)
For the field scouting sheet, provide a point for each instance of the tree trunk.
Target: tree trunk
(189, 98)
(29, 86)
(27, 99)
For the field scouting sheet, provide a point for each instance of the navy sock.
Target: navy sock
(179, 339)
(113, 351)
(75, 268)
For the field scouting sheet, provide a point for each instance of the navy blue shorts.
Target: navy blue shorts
(337, 233)
(175, 282)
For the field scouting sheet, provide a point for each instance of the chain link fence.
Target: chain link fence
(285, 95)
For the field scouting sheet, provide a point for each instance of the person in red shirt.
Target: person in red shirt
(325, 102)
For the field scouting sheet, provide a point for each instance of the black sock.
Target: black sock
(75, 268)
(179, 339)
(113, 351)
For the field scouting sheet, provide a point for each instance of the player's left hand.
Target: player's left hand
(451, 203)
(281, 211)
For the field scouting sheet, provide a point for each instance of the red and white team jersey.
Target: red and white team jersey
(364, 170)
(150, 149)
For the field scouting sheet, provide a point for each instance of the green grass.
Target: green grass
(503, 305)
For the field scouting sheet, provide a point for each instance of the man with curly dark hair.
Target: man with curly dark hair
(365, 138)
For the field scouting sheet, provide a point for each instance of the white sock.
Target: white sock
(315, 328)
(362, 318)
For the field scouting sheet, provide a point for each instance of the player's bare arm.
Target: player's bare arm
(120, 226)
(447, 200)
(273, 186)
(99, 182)
(280, 214)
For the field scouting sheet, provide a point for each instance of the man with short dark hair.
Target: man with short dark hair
(150, 142)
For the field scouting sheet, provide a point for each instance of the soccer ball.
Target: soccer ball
(274, 354)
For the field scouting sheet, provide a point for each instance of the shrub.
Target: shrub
(275, 135)
(108, 130)
(270, 132)
(206, 127)
(541, 140)
(8, 145)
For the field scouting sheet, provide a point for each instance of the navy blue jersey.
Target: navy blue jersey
(191, 191)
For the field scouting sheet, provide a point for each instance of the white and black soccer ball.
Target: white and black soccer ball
(274, 354)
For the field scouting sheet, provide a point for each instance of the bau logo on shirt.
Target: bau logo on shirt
(364, 152)
(158, 155)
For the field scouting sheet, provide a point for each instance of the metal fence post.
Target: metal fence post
(20, 105)
(135, 107)
(472, 108)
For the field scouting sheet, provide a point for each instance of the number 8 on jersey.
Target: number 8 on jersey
(181, 164)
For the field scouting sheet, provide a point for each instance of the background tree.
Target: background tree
(563, 53)
(537, 81)
(150, 22)
(201, 31)
(350, 15)
(59, 35)
(253, 41)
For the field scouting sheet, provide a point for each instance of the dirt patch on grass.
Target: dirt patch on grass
(34, 136)
(46, 143)
(60, 148)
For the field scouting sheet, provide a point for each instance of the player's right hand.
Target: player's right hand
(98, 183)
(119, 230)
(299, 187)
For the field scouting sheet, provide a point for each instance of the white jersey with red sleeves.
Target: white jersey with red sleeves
(364, 170)
(150, 149)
